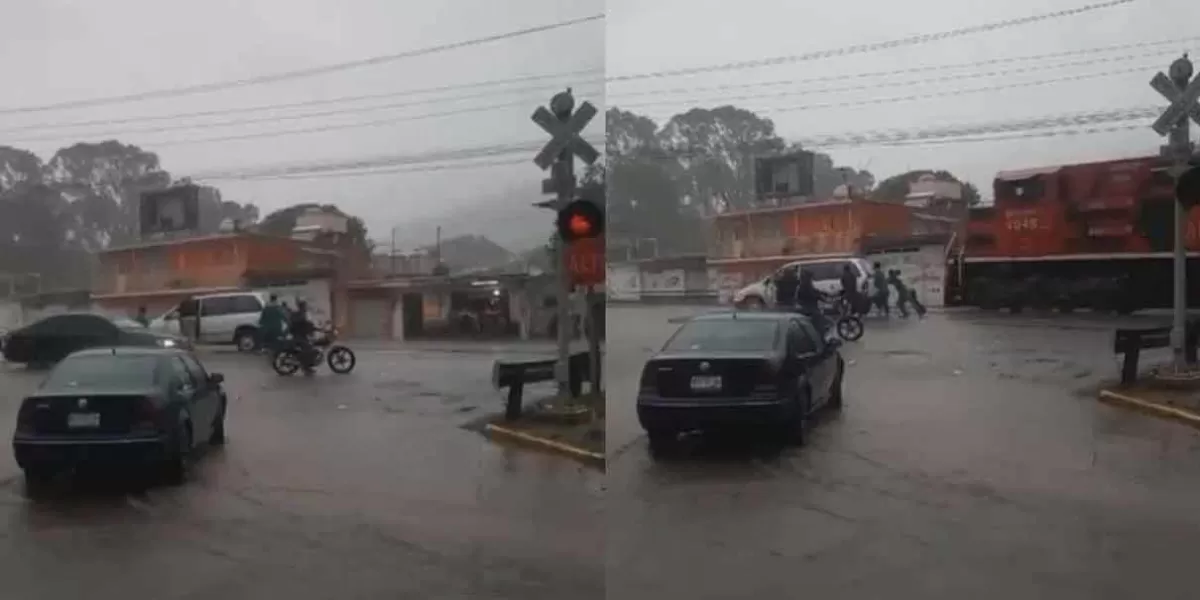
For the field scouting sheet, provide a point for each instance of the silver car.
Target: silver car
(222, 319)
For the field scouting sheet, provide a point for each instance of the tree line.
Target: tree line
(663, 180)
(55, 214)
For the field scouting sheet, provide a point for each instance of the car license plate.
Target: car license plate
(82, 420)
(706, 383)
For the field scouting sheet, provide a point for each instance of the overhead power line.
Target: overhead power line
(588, 76)
(295, 74)
(954, 131)
(477, 109)
(827, 143)
(1029, 127)
(914, 97)
(912, 40)
(281, 118)
(317, 129)
(1025, 136)
(874, 85)
(457, 154)
(372, 171)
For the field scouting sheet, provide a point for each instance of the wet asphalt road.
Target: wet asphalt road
(970, 461)
(362, 486)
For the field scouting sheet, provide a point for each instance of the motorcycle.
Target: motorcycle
(847, 323)
(288, 358)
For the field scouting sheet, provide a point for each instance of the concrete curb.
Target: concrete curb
(594, 459)
(1164, 411)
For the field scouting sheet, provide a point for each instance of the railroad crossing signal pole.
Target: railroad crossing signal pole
(1183, 92)
(563, 123)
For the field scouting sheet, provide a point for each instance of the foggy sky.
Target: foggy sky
(57, 50)
(689, 33)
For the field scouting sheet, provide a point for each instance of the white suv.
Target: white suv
(224, 318)
(827, 277)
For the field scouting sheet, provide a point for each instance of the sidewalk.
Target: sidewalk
(1179, 404)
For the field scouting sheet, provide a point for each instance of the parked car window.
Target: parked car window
(180, 373)
(746, 335)
(812, 341)
(195, 369)
(245, 304)
(100, 372)
(217, 306)
(825, 270)
(795, 343)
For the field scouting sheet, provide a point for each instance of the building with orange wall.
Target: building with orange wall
(749, 245)
(159, 274)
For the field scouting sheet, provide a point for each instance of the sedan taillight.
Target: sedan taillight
(146, 415)
(25, 419)
(647, 382)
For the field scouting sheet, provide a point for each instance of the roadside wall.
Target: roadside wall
(680, 279)
(923, 268)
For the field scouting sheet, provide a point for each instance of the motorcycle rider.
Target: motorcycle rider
(808, 300)
(785, 288)
(302, 330)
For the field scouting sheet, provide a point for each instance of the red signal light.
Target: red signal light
(580, 225)
(580, 219)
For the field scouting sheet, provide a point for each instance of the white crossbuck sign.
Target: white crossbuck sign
(565, 136)
(1183, 102)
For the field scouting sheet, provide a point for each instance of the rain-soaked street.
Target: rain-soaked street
(969, 462)
(359, 486)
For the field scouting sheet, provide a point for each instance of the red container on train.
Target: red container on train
(1095, 235)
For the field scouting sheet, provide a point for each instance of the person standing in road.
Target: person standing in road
(902, 293)
(271, 322)
(141, 317)
(850, 288)
(785, 288)
(881, 289)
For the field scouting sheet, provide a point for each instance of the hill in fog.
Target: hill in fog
(513, 224)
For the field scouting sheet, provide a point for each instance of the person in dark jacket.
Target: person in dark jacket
(271, 322)
(902, 292)
(785, 288)
(880, 293)
(850, 288)
(808, 300)
(302, 329)
(141, 317)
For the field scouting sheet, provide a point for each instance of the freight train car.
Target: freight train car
(1096, 235)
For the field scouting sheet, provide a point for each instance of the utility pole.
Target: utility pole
(1183, 92)
(392, 270)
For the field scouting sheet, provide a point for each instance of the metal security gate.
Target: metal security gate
(369, 318)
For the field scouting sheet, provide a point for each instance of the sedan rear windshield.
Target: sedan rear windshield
(103, 372)
(725, 336)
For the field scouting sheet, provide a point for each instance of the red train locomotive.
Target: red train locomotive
(1096, 235)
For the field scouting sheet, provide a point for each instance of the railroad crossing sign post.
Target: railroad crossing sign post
(1183, 92)
(564, 124)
